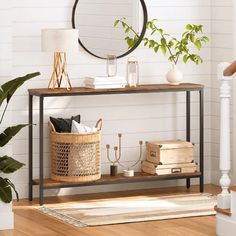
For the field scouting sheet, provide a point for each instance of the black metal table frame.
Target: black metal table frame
(41, 135)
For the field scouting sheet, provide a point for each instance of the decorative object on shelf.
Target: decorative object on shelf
(111, 65)
(113, 167)
(117, 149)
(174, 76)
(175, 48)
(60, 42)
(159, 169)
(169, 152)
(76, 157)
(132, 72)
(169, 157)
(104, 82)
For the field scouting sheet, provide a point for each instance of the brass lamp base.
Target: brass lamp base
(59, 72)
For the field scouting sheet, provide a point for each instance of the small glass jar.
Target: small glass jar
(132, 72)
(111, 65)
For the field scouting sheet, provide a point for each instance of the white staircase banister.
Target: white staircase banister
(225, 75)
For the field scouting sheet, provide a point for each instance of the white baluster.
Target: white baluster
(223, 199)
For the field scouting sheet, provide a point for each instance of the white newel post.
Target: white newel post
(223, 199)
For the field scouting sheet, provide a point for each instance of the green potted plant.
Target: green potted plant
(184, 48)
(9, 165)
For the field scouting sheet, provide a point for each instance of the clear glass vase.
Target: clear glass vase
(111, 65)
(132, 72)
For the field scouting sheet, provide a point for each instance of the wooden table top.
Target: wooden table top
(147, 88)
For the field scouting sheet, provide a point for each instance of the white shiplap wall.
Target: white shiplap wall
(222, 51)
(145, 117)
(5, 62)
(5, 39)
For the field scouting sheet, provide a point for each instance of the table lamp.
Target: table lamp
(59, 41)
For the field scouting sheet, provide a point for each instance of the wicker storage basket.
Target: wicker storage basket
(76, 157)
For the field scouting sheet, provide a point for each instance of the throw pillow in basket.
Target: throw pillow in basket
(62, 125)
(81, 128)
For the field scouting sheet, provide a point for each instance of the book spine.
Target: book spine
(104, 86)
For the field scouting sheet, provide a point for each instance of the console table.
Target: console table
(42, 93)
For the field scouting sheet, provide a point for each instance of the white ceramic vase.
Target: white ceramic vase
(6, 216)
(174, 76)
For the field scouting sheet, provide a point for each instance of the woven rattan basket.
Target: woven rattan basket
(76, 157)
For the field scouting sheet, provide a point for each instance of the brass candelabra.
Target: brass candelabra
(117, 151)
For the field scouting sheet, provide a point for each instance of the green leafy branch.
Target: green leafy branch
(131, 41)
(167, 44)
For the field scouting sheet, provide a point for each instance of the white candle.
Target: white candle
(128, 173)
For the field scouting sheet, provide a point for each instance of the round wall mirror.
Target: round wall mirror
(99, 35)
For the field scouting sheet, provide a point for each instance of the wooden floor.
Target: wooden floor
(28, 221)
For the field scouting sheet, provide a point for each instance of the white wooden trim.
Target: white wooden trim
(225, 226)
(234, 99)
(6, 216)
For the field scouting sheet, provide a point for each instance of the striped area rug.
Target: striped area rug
(132, 209)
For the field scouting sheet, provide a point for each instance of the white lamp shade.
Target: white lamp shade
(60, 40)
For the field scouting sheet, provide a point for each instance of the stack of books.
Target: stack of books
(102, 82)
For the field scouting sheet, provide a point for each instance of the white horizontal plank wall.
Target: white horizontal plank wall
(5, 40)
(137, 117)
(6, 214)
(222, 50)
(5, 60)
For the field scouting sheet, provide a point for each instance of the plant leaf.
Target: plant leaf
(9, 133)
(163, 49)
(192, 38)
(127, 30)
(205, 39)
(152, 43)
(188, 27)
(171, 44)
(153, 31)
(5, 191)
(116, 22)
(163, 41)
(9, 165)
(14, 188)
(130, 42)
(198, 44)
(156, 48)
(185, 58)
(9, 88)
(161, 31)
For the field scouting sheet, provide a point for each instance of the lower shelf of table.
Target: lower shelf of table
(107, 179)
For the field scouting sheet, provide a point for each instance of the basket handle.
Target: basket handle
(99, 124)
(51, 127)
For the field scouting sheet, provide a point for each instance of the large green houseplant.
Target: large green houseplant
(8, 164)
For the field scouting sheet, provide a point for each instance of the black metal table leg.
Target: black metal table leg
(41, 187)
(30, 143)
(188, 124)
(201, 138)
